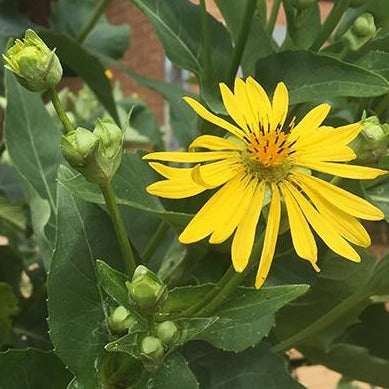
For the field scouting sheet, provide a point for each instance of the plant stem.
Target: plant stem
(330, 23)
(67, 124)
(273, 16)
(323, 322)
(99, 9)
(120, 230)
(206, 41)
(240, 43)
(154, 241)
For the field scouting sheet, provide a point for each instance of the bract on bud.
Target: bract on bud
(146, 290)
(96, 155)
(152, 352)
(36, 66)
(168, 333)
(302, 4)
(362, 30)
(120, 320)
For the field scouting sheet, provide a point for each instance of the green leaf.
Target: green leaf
(12, 213)
(113, 282)
(85, 65)
(173, 374)
(10, 184)
(32, 368)
(192, 327)
(255, 367)
(128, 343)
(311, 76)
(377, 192)
(8, 308)
(77, 309)
(376, 61)
(247, 317)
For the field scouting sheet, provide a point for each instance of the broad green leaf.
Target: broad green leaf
(10, 184)
(128, 343)
(376, 61)
(32, 368)
(105, 40)
(191, 328)
(173, 374)
(258, 43)
(12, 213)
(129, 184)
(377, 192)
(255, 367)
(310, 76)
(247, 317)
(77, 309)
(85, 65)
(8, 308)
(113, 282)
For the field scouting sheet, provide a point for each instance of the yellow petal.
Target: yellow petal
(212, 142)
(339, 198)
(249, 112)
(205, 221)
(328, 154)
(323, 228)
(233, 212)
(302, 237)
(243, 241)
(310, 122)
(232, 106)
(210, 117)
(344, 170)
(189, 157)
(175, 189)
(280, 104)
(271, 234)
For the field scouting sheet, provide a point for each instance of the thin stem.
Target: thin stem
(206, 40)
(67, 124)
(240, 43)
(120, 230)
(325, 321)
(330, 23)
(155, 241)
(273, 16)
(99, 9)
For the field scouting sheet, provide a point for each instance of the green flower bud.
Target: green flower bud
(302, 4)
(362, 30)
(120, 320)
(96, 155)
(146, 290)
(35, 65)
(152, 348)
(168, 333)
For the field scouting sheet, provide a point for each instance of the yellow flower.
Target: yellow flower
(265, 155)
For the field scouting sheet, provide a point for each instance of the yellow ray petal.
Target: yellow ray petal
(280, 104)
(212, 142)
(175, 189)
(243, 241)
(329, 154)
(249, 112)
(302, 237)
(271, 234)
(233, 213)
(323, 228)
(347, 226)
(310, 122)
(343, 170)
(210, 117)
(339, 198)
(189, 157)
(232, 106)
(205, 221)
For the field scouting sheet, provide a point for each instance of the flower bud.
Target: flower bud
(36, 66)
(96, 155)
(302, 4)
(152, 351)
(362, 30)
(168, 333)
(120, 320)
(146, 290)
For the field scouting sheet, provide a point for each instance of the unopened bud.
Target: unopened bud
(302, 4)
(36, 66)
(146, 290)
(120, 320)
(168, 333)
(152, 349)
(362, 30)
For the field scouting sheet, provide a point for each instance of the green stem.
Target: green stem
(273, 16)
(206, 40)
(120, 230)
(324, 322)
(99, 9)
(154, 241)
(240, 43)
(330, 23)
(67, 124)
